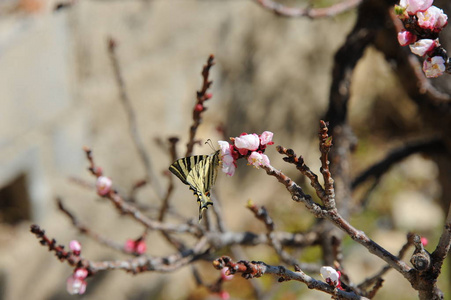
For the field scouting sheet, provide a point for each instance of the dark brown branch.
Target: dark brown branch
(333, 216)
(376, 171)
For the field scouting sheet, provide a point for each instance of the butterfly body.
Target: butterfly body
(199, 173)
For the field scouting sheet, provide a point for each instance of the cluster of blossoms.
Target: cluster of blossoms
(76, 283)
(331, 276)
(423, 22)
(251, 146)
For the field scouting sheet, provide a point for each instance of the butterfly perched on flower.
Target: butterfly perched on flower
(199, 172)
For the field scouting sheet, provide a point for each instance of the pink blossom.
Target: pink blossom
(76, 284)
(103, 185)
(414, 6)
(406, 38)
(266, 138)
(331, 276)
(227, 160)
(434, 67)
(258, 159)
(75, 247)
(247, 142)
(433, 18)
(423, 47)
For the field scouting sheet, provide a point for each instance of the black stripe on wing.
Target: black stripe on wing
(183, 166)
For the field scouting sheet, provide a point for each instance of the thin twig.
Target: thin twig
(145, 158)
(381, 167)
(257, 269)
(129, 209)
(262, 214)
(85, 230)
(199, 107)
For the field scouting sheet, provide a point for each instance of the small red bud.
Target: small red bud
(199, 107)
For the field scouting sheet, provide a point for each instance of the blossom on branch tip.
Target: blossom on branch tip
(75, 247)
(247, 142)
(414, 6)
(406, 38)
(433, 18)
(258, 159)
(423, 46)
(266, 138)
(331, 276)
(434, 66)
(103, 185)
(76, 284)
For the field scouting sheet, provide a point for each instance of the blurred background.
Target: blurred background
(58, 94)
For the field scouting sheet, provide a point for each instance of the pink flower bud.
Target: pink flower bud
(80, 273)
(225, 274)
(103, 185)
(424, 241)
(199, 107)
(208, 96)
(224, 295)
(135, 246)
(129, 246)
(331, 276)
(266, 138)
(140, 247)
(76, 284)
(75, 247)
(406, 38)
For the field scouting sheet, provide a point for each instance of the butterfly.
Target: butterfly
(199, 172)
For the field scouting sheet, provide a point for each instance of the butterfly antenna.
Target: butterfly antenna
(210, 143)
